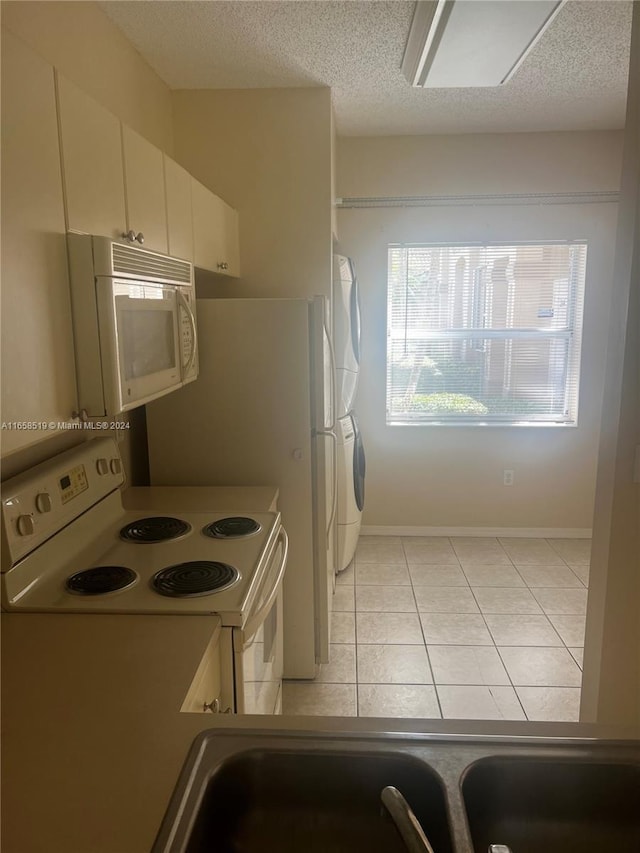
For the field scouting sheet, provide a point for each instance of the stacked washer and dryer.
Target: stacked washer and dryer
(350, 451)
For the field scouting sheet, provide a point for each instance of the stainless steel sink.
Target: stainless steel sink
(555, 806)
(266, 791)
(271, 800)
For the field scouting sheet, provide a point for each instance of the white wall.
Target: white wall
(38, 364)
(611, 688)
(479, 163)
(88, 48)
(267, 152)
(452, 476)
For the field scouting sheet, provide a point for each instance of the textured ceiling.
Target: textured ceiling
(573, 79)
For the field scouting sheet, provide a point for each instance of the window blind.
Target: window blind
(484, 333)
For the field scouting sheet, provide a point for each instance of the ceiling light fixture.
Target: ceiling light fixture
(469, 43)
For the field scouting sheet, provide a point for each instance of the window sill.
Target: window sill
(482, 424)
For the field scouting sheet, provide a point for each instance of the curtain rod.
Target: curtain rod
(610, 197)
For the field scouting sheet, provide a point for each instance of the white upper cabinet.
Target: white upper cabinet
(179, 215)
(144, 190)
(92, 163)
(38, 370)
(118, 183)
(215, 232)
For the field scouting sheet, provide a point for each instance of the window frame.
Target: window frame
(570, 334)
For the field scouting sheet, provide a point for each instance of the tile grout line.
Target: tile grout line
(355, 629)
(549, 543)
(564, 645)
(495, 646)
(424, 639)
(513, 686)
(355, 632)
(426, 647)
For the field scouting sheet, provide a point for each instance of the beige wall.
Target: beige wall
(611, 689)
(266, 152)
(452, 476)
(479, 164)
(79, 40)
(82, 42)
(334, 175)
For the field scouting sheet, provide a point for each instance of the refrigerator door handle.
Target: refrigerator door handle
(334, 497)
(332, 359)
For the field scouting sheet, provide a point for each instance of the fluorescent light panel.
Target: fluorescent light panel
(472, 43)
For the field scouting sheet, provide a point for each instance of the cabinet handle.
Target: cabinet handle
(214, 706)
(132, 237)
(223, 265)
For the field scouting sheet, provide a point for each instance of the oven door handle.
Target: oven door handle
(258, 618)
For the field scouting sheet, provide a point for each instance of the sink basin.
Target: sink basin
(279, 791)
(316, 802)
(555, 806)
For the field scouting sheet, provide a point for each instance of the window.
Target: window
(484, 333)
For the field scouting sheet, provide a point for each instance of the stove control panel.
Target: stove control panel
(73, 483)
(44, 499)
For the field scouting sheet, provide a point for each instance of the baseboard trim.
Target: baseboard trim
(504, 532)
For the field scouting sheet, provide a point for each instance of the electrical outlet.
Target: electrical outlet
(507, 477)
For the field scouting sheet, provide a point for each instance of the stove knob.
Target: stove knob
(102, 467)
(116, 466)
(25, 525)
(43, 502)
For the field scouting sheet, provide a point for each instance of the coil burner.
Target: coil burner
(157, 528)
(101, 580)
(233, 527)
(198, 577)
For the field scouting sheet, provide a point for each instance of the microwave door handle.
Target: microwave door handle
(192, 323)
(258, 618)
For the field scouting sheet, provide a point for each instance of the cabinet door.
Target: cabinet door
(92, 163)
(144, 190)
(38, 371)
(215, 232)
(211, 690)
(231, 239)
(179, 215)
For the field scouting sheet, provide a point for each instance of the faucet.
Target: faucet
(405, 820)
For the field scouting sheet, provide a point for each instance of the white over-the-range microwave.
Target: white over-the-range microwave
(134, 324)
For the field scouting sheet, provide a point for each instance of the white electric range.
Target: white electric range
(69, 546)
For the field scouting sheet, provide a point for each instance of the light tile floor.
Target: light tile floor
(455, 628)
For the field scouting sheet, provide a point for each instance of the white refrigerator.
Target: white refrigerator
(261, 413)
